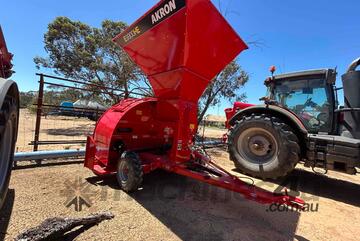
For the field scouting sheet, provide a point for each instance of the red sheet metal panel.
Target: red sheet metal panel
(5, 58)
(211, 43)
(181, 45)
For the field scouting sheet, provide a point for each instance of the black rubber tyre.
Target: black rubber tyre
(93, 117)
(129, 172)
(8, 133)
(264, 147)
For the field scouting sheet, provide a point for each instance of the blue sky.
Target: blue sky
(296, 35)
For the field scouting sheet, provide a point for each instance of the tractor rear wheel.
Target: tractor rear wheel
(263, 147)
(8, 132)
(129, 172)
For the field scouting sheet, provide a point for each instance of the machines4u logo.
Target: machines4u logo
(78, 193)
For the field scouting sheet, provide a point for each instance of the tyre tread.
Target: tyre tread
(288, 138)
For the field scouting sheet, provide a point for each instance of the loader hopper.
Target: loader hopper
(181, 45)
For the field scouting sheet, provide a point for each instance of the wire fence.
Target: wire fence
(55, 122)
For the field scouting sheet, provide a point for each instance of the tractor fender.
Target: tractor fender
(287, 116)
(273, 110)
(9, 87)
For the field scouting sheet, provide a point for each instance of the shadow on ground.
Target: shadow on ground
(323, 186)
(46, 163)
(197, 211)
(71, 131)
(5, 213)
(327, 187)
(70, 236)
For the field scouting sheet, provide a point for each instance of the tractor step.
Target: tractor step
(334, 152)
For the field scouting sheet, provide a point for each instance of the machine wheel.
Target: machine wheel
(129, 172)
(263, 147)
(8, 131)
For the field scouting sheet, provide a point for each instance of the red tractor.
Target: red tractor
(9, 112)
(301, 120)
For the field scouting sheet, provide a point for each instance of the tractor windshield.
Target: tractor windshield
(309, 99)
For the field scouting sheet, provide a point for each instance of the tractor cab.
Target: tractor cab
(308, 94)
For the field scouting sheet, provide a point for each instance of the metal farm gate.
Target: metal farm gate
(49, 123)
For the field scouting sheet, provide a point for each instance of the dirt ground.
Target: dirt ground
(171, 207)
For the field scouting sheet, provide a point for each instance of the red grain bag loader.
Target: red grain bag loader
(181, 45)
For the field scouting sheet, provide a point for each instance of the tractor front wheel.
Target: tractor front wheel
(263, 147)
(129, 172)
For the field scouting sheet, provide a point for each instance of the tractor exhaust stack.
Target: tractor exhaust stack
(351, 84)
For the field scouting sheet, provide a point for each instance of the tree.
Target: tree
(27, 99)
(81, 52)
(225, 85)
(85, 53)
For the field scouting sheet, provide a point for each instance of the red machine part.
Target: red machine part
(5, 58)
(230, 112)
(181, 45)
(190, 44)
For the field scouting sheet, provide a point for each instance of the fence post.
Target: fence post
(39, 112)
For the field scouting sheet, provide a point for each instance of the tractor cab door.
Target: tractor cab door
(311, 98)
